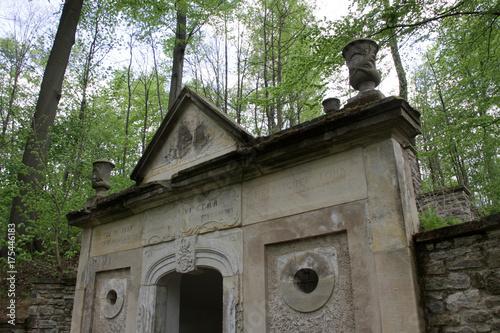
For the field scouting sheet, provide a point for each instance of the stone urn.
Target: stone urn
(360, 55)
(331, 104)
(101, 174)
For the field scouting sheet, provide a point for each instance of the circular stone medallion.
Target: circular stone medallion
(307, 281)
(112, 297)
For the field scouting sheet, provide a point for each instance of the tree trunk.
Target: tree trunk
(178, 59)
(398, 64)
(129, 106)
(37, 144)
(158, 91)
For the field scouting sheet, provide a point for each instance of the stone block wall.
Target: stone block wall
(460, 276)
(448, 202)
(51, 306)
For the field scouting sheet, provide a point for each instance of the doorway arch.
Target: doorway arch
(190, 303)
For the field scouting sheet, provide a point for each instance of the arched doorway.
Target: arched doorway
(189, 303)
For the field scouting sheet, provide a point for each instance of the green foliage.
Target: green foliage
(279, 59)
(456, 91)
(429, 220)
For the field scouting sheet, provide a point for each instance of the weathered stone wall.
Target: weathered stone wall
(448, 202)
(19, 327)
(460, 276)
(51, 306)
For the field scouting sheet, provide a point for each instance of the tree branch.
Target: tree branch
(432, 19)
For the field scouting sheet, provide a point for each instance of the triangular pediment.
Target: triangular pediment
(193, 131)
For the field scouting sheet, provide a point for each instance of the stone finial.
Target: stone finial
(360, 55)
(331, 104)
(101, 174)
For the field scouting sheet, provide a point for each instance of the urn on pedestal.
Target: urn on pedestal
(360, 55)
(101, 174)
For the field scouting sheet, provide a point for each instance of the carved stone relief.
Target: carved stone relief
(193, 137)
(161, 224)
(307, 278)
(185, 254)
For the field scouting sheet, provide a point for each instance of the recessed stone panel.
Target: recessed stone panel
(109, 311)
(320, 302)
(161, 224)
(333, 180)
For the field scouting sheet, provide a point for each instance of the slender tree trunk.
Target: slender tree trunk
(398, 64)
(129, 105)
(37, 144)
(226, 65)
(21, 58)
(12, 98)
(396, 57)
(178, 59)
(279, 114)
(458, 165)
(157, 76)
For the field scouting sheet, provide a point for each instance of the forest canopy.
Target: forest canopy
(266, 63)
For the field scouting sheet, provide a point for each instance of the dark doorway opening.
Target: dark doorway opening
(201, 305)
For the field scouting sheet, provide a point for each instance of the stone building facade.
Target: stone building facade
(307, 230)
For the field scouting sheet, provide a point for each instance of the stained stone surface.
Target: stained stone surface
(337, 314)
(201, 213)
(161, 224)
(326, 182)
(460, 270)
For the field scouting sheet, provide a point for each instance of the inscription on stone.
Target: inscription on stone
(218, 209)
(330, 181)
(117, 236)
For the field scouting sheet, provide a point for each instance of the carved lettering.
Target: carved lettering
(217, 209)
(322, 183)
(117, 236)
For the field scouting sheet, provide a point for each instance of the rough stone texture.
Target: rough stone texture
(19, 327)
(449, 202)
(337, 314)
(51, 306)
(101, 321)
(460, 276)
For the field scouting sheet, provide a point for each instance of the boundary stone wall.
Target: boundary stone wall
(51, 305)
(459, 268)
(19, 327)
(448, 202)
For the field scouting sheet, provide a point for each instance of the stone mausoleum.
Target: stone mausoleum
(306, 230)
